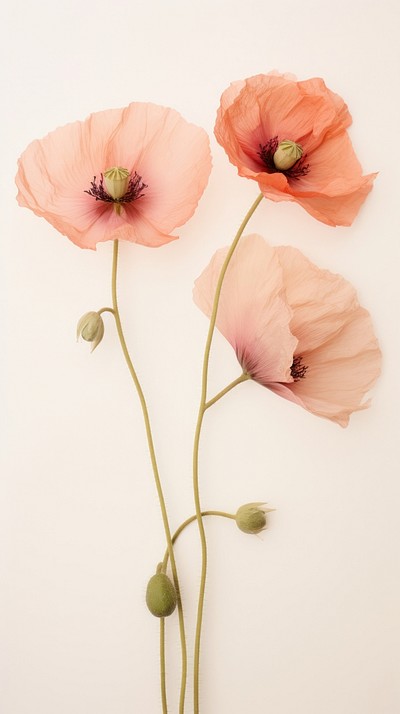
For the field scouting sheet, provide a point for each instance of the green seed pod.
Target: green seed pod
(286, 155)
(116, 180)
(161, 595)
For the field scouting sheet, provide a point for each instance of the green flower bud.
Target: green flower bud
(160, 595)
(252, 518)
(91, 328)
(286, 155)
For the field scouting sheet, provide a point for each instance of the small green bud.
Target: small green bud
(286, 155)
(252, 518)
(160, 595)
(91, 328)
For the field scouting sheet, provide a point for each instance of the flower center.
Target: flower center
(298, 369)
(287, 154)
(120, 187)
(285, 157)
(117, 181)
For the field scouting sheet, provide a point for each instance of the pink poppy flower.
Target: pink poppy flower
(131, 174)
(291, 138)
(296, 329)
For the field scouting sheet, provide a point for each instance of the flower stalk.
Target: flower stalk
(157, 479)
(202, 410)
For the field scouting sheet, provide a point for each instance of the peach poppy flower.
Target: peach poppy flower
(305, 123)
(296, 329)
(133, 174)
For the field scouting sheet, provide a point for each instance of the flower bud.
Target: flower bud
(91, 328)
(286, 155)
(251, 518)
(116, 180)
(160, 595)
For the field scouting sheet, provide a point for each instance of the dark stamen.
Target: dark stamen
(298, 369)
(266, 155)
(135, 190)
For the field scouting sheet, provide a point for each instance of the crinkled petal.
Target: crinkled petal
(337, 343)
(278, 309)
(338, 210)
(258, 109)
(321, 301)
(171, 156)
(253, 314)
(335, 386)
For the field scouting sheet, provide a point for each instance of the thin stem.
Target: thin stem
(155, 472)
(188, 521)
(202, 409)
(163, 569)
(162, 666)
(106, 309)
(243, 378)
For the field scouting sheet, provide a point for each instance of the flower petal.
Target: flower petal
(339, 374)
(171, 155)
(285, 316)
(337, 343)
(320, 300)
(261, 108)
(253, 314)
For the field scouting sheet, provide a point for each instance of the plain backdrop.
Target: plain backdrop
(305, 617)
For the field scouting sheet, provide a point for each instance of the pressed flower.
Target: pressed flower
(262, 118)
(133, 174)
(330, 355)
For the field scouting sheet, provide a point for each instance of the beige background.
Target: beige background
(305, 617)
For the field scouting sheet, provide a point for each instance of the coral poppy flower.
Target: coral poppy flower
(275, 302)
(130, 174)
(291, 138)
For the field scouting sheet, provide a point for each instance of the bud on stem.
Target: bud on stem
(252, 517)
(91, 328)
(160, 595)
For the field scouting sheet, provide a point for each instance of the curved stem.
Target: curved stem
(155, 472)
(188, 521)
(163, 569)
(202, 409)
(106, 309)
(243, 378)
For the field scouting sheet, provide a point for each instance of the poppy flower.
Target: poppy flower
(133, 174)
(291, 138)
(296, 329)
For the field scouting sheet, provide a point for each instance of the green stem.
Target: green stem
(163, 569)
(188, 521)
(155, 472)
(162, 666)
(243, 378)
(202, 409)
